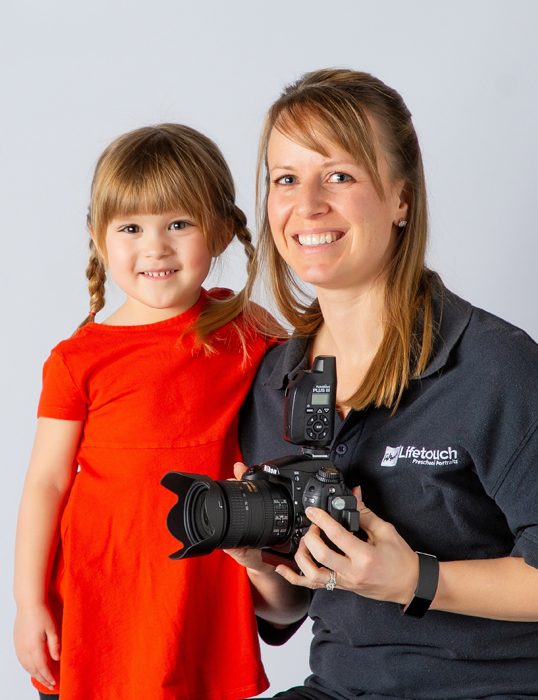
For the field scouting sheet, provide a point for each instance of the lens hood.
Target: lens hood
(199, 517)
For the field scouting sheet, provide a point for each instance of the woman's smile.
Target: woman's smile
(318, 237)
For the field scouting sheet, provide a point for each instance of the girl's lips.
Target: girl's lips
(158, 274)
(318, 238)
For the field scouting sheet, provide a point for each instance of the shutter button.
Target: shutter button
(341, 449)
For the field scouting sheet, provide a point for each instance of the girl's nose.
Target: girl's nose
(156, 244)
(311, 201)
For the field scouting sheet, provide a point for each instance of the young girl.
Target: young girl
(155, 387)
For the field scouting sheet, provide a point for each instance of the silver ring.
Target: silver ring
(330, 585)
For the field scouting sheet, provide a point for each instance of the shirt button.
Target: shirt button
(341, 449)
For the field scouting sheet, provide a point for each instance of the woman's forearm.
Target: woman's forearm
(500, 589)
(385, 568)
(275, 600)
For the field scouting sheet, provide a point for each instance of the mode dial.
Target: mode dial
(329, 475)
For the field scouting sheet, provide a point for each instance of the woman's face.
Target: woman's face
(327, 219)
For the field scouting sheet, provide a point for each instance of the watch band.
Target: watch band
(428, 578)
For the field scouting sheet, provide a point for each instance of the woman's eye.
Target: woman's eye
(340, 177)
(286, 180)
(131, 228)
(178, 225)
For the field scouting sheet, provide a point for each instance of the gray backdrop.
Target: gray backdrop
(76, 75)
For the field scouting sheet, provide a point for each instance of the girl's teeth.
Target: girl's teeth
(158, 274)
(312, 239)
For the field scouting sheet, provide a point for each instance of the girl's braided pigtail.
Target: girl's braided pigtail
(96, 274)
(243, 234)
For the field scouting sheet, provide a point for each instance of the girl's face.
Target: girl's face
(327, 219)
(160, 261)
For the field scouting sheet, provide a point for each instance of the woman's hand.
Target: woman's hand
(37, 643)
(383, 568)
(274, 599)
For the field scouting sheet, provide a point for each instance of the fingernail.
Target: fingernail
(311, 513)
(279, 570)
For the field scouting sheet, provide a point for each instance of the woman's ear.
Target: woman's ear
(404, 205)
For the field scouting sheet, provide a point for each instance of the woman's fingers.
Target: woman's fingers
(313, 577)
(239, 470)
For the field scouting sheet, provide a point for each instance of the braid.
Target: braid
(96, 274)
(243, 234)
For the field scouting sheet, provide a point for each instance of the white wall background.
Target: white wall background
(75, 75)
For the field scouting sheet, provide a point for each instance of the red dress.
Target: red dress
(136, 625)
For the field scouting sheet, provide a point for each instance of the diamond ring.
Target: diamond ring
(331, 583)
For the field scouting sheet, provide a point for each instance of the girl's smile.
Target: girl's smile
(160, 261)
(158, 274)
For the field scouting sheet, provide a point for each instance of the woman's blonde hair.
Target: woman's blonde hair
(158, 169)
(343, 107)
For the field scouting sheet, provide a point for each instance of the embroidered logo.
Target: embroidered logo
(419, 455)
(391, 456)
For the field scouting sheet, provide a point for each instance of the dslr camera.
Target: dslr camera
(266, 509)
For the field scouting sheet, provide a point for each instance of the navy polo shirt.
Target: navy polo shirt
(455, 470)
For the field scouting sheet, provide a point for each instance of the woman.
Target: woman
(438, 416)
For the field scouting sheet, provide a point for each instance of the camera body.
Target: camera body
(310, 481)
(267, 507)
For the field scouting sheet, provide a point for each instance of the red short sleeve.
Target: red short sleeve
(60, 397)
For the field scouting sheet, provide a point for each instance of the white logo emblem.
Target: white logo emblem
(419, 455)
(391, 456)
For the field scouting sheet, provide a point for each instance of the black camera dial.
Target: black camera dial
(329, 475)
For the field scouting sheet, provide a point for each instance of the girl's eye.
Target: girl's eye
(340, 177)
(131, 228)
(178, 225)
(286, 180)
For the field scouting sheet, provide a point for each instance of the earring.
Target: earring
(402, 223)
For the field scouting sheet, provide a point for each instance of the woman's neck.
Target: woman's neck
(352, 331)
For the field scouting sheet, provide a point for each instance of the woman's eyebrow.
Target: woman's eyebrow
(281, 167)
(325, 164)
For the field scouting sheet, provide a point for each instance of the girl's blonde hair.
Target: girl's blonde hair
(158, 169)
(343, 106)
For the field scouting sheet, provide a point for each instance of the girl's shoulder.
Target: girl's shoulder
(253, 323)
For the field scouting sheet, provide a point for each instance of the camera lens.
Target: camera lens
(227, 514)
(259, 514)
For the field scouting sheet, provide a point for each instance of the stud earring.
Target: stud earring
(402, 223)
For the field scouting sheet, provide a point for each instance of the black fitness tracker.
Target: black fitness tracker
(428, 578)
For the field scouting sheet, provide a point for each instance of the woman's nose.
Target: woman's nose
(311, 201)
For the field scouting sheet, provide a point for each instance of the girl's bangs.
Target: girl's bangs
(150, 191)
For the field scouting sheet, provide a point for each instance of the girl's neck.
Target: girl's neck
(352, 331)
(135, 313)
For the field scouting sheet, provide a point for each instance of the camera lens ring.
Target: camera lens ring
(253, 517)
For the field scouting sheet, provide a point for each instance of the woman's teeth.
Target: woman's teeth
(164, 273)
(313, 239)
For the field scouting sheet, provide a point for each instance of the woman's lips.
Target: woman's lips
(318, 238)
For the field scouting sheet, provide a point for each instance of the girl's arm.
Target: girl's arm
(275, 600)
(386, 568)
(48, 481)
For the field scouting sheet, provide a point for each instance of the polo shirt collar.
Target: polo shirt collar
(451, 316)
